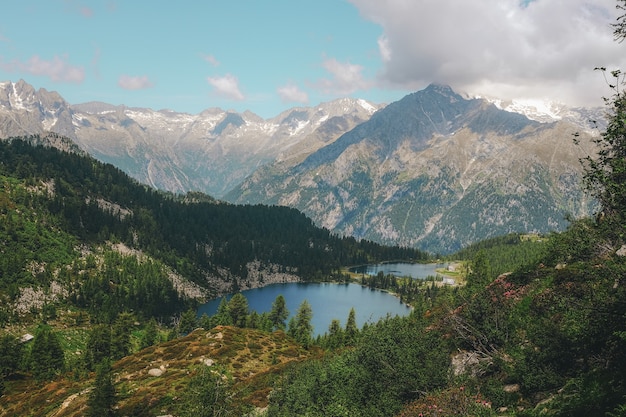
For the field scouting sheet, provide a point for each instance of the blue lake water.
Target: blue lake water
(328, 302)
(401, 269)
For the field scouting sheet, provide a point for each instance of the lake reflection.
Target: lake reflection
(401, 269)
(328, 302)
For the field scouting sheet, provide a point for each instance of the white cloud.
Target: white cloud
(506, 48)
(226, 86)
(57, 69)
(346, 78)
(291, 93)
(211, 60)
(134, 83)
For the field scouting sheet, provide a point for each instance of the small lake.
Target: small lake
(401, 269)
(328, 301)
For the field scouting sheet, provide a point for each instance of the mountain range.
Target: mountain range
(211, 151)
(435, 170)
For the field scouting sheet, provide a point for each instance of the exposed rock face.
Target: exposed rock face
(210, 152)
(434, 170)
(437, 171)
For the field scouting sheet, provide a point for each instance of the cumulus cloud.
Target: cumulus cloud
(346, 78)
(506, 48)
(57, 69)
(291, 93)
(128, 82)
(226, 86)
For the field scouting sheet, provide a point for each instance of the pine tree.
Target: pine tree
(120, 335)
(302, 326)
(279, 313)
(188, 322)
(98, 346)
(150, 334)
(222, 316)
(102, 398)
(351, 329)
(238, 309)
(335, 335)
(46, 357)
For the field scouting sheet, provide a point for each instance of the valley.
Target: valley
(104, 273)
(435, 170)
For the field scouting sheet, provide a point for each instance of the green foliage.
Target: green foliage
(120, 336)
(393, 362)
(300, 328)
(188, 322)
(10, 355)
(352, 330)
(123, 283)
(98, 346)
(279, 313)
(207, 394)
(150, 334)
(47, 358)
(335, 337)
(52, 202)
(505, 253)
(605, 175)
(102, 399)
(238, 310)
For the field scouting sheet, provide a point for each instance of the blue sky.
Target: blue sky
(267, 56)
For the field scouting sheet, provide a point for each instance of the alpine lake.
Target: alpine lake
(333, 301)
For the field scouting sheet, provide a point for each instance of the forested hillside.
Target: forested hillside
(71, 221)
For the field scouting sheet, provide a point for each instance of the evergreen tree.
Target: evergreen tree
(302, 325)
(253, 321)
(188, 322)
(150, 334)
(205, 322)
(291, 327)
(351, 329)
(10, 355)
(335, 335)
(120, 335)
(102, 399)
(46, 356)
(238, 310)
(98, 346)
(222, 316)
(279, 313)
(480, 272)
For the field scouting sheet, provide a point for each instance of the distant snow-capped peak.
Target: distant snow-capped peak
(544, 111)
(548, 111)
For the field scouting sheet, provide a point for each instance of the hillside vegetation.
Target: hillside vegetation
(96, 266)
(83, 231)
(95, 263)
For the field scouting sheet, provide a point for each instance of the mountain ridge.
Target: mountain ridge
(409, 173)
(437, 171)
(210, 151)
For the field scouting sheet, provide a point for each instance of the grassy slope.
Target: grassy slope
(254, 359)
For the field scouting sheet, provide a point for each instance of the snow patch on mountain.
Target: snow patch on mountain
(367, 106)
(49, 122)
(549, 111)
